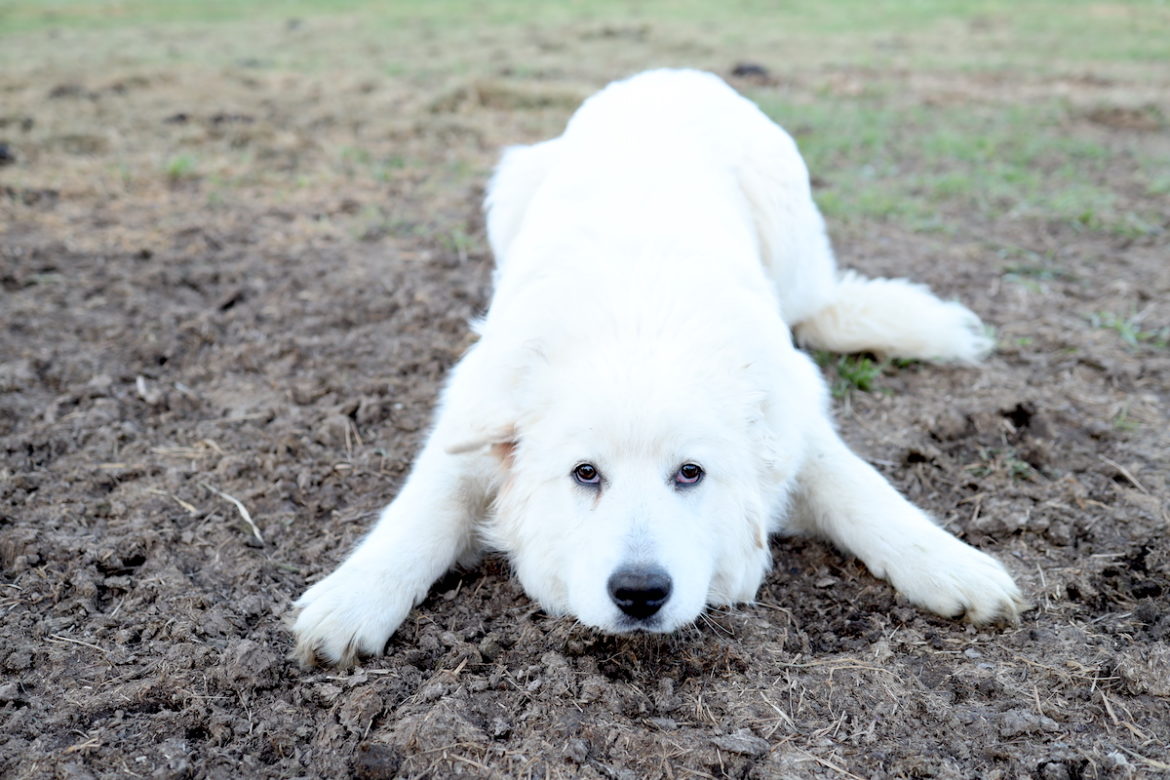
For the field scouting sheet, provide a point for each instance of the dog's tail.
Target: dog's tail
(894, 318)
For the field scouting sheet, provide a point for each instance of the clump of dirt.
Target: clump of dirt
(213, 373)
(1147, 118)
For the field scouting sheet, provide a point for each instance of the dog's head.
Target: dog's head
(637, 481)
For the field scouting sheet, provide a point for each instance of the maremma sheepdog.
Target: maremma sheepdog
(635, 419)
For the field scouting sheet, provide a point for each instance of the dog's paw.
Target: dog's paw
(353, 612)
(953, 579)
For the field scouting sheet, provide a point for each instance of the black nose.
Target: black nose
(639, 591)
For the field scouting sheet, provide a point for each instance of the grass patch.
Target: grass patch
(1123, 422)
(1122, 31)
(855, 373)
(927, 166)
(461, 243)
(1005, 462)
(858, 372)
(180, 167)
(1130, 330)
(1038, 35)
(356, 162)
(878, 149)
(1041, 273)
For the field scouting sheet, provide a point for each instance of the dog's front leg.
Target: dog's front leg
(842, 497)
(419, 537)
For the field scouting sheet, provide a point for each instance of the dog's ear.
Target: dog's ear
(501, 440)
(485, 399)
(505, 452)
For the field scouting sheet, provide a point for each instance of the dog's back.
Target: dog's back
(661, 158)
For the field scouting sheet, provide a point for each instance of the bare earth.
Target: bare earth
(268, 324)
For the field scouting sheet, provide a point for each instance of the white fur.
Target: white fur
(651, 261)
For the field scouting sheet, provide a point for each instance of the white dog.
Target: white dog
(635, 420)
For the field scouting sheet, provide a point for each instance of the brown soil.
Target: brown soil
(270, 323)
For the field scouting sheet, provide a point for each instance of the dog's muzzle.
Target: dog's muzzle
(639, 591)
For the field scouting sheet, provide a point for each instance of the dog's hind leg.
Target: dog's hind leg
(423, 533)
(827, 309)
(845, 311)
(843, 498)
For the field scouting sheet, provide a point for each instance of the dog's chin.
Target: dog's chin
(624, 624)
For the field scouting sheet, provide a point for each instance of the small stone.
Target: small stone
(743, 742)
(10, 692)
(577, 750)
(499, 728)
(1017, 722)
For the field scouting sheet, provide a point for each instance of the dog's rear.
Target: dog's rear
(827, 309)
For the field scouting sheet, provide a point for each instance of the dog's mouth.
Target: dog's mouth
(631, 625)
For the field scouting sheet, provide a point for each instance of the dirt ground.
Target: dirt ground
(227, 299)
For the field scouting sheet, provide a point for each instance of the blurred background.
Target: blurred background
(949, 116)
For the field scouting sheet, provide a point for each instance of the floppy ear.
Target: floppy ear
(501, 440)
(489, 394)
(479, 408)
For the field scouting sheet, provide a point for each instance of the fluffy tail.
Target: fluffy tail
(895, 318)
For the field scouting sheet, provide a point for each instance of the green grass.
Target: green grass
(876, 159)
(1034, 272)
(1003, 462)
(461, 243)
(1126, 30)
(1002, 32)
(877, 150)
(356, 162)
(179, 167)
(1129, 330)
(855, 373)
(858, 372)
(1123, 422)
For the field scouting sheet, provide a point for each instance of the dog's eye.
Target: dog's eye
(587, 474)
(688, 474)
